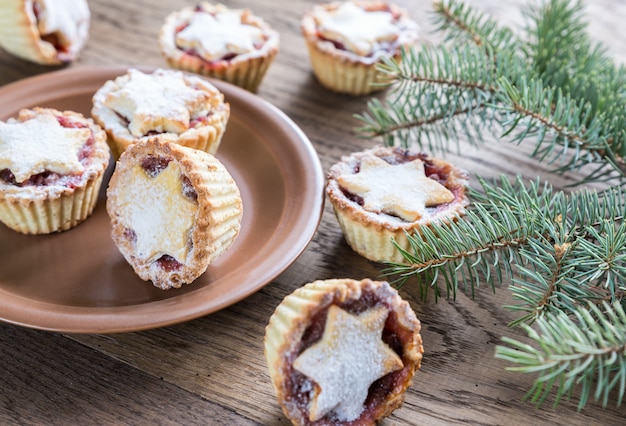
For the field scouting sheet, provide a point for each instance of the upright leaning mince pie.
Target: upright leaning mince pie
(347, 40)
(49, 32)
(342, 352)
(381, 194)
(174, 106)
(173, 211)
(232, 45)
(51, 168)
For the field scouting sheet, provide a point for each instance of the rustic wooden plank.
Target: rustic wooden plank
(460, 382)
(212, 370)
(49, 379)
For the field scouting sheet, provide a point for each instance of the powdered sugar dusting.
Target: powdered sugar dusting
(158, 212)
(403, 190)
(361, 31)
(40, 144)
(346, 361)
(214, 36)
(63, 18)
(160, 102)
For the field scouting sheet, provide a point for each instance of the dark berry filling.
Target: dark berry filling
(194, 122)
(154, 165)
(130, 235)
(188, 190)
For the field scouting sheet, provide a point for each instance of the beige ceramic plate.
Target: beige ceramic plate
(78, 282)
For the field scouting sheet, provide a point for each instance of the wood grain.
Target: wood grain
(212, 370)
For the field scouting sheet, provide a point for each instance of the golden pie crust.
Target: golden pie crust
(204, 134)
(245, 70)
(370, 233)
(345, 71)
(198, 192)
(20, 34)
(62, 202)
(295, 326)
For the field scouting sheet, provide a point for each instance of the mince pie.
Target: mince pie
(51, 169)
(381, 194)
(49, 32)
(174, 106)
(342, 352)
(173, 210)
(347, 40)
(228, 44)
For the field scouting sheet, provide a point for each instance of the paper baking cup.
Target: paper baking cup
(245, 73)
(370, 241)
(340, 74)
(43, 215)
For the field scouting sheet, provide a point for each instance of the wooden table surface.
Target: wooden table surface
(211, 370)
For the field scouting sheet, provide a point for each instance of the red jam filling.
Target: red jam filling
(394, 334)
(439, 173)
(130, 235)
(48, 178)
(168, 263)
(198, 121)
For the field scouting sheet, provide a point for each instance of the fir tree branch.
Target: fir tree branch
(583, 351)
(557, 123)
(486, 241)
(545, 283)
(559, 89)
(429, 102)
(565, 254)
(563, 247)
(462, 23)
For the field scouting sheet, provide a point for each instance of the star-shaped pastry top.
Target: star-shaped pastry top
(159, 213)
(358, 29)
(62, 17)
(350, 356)
(40, 144)
(215, 36)
(160, 102)
(402, 189)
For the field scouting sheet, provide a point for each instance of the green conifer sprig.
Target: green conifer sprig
(431, 104)
(583, 351)
(564, 255)
(461, 23)
(555, 87)
(561, 253)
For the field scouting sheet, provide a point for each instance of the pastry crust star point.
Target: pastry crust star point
(149, 204)
(39, 144)
(401, 189)
(350, 356)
